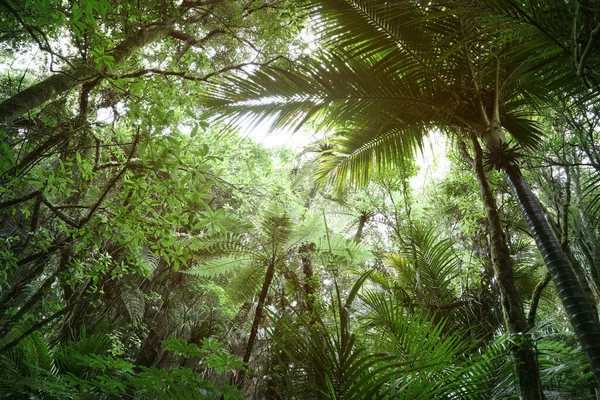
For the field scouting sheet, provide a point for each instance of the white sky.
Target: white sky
(272, 138)
(432, 159)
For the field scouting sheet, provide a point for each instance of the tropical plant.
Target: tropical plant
(255, 258)
(83, 370)
(376, 350)
(393, 71)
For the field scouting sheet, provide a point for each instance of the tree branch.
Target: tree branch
(184, 75)
(112, 182)
(12, 202)
(62, 216)
(193, 41)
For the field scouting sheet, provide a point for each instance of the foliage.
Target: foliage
(146, 247)
(82, 370)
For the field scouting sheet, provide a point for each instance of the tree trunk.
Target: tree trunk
(581, 315)
(61, 82)
(362, 221)
(307, 270)
(524, 351)
(257, 317)
(535, 298)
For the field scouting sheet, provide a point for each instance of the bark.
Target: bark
(512, 307)
(582, 316)
(257, 317)
(150, 349)
(61, 82)
(362, 221)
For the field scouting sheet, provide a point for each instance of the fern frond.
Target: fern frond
(68, 356)
(219, 266)
(246, 283)
(135, 303)
(149, 260)
(340, 251)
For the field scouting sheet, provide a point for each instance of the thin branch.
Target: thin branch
(113, 181)
(51, 249)
(587, 51)
(30, 29)
(62, 216)
(33, 328)
(184, 75)
(12, 202)
(193, 41)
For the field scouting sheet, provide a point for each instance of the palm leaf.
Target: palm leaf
(491, 376)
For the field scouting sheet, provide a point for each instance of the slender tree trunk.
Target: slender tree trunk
(535, 298)
(257, 317)
(512, 307)
(61, 82)
(362, 221)
(149, 349)
(581, 315)
(307, 270)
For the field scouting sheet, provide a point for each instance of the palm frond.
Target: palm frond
(491, 376)
(414, 338)
(426, 267)
(365, 150)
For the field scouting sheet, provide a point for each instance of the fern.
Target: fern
(135, 303)
(563, 365)
(149, 261)
(336, 250)
(220, 266)
(29, 371)
(246, 283)
(68, 355)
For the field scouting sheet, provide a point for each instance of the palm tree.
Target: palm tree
(395, 70)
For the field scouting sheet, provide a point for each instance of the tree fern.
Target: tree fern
(336, 250)
(563, 366)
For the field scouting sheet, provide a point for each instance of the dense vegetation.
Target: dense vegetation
(149, 250)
